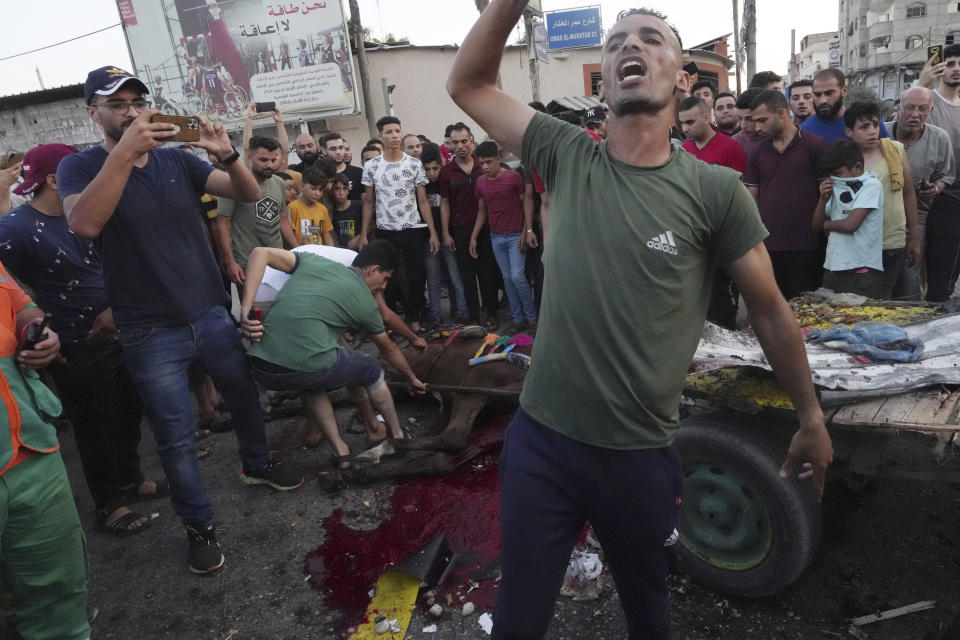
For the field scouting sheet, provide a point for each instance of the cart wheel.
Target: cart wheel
(744, 531)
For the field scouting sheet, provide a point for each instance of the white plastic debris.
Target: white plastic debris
(394, 626)
(382, 627)
(468, 609)
(486, 623)
(436, 611)
(584, 566)
(432, 628)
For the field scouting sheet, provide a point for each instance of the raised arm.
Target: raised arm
(811, 451)
(473, 80)
(283, 139)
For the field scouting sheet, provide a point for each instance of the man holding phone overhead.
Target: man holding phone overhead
(141, 203)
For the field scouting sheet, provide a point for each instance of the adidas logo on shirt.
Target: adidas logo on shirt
(664, 242)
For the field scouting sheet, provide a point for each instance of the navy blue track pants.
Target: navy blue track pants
(552, 485)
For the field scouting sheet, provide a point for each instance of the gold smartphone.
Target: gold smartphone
(189, 127)
(935, 52)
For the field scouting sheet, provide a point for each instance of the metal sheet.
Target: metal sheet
(831, 369)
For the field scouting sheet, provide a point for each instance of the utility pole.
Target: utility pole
(532, 56)
(736, 42)
(750, 41)
(361, 54)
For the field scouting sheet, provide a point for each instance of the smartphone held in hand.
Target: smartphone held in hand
(189, 127)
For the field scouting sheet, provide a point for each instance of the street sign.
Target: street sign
(834, 56)
(574, 28)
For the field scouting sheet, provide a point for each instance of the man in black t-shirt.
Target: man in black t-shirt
(334, 147)
(141, 202)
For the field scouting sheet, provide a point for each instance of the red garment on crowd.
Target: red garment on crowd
(720, 150)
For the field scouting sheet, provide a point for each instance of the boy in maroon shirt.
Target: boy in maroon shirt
(500, 201)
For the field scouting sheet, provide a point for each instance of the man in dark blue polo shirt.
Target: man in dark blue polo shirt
(782, 175)
(829, 94)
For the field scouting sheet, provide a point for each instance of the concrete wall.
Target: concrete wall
(64, 121)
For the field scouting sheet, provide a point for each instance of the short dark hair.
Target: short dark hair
(746, 98)
(374, 142)
(284, 175)
(460, 126)
(725, 94)
(842, 153)
(341, 178)
(447, 131)
(315, 176)
(763, 78)
(263, 142)
(369, 147)
(431, 153)
(385, 120)
(488, 149)
(799, 83)
(953, 51)
(693, 102)
(860, 110)
(327, 137)
(410, 135)
(643, 11)
(536, 105)
(704, 84)
(831, 72)
(378, 253)
(772, 99)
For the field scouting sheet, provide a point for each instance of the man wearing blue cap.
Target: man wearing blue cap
(142, 203)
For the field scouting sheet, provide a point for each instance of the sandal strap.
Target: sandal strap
(123, 522)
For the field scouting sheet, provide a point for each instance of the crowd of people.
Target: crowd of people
(771, 193)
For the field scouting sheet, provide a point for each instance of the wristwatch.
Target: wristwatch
(231, 158)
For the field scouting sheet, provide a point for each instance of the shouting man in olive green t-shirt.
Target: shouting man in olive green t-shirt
(636, 227)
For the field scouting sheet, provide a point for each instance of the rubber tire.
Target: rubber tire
(791, 505)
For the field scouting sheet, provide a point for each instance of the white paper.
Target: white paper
(486, 623)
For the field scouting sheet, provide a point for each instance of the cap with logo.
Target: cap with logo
(106, 81)
(595, 114)
(40, 162)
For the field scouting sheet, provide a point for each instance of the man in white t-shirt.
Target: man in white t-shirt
(395, 190)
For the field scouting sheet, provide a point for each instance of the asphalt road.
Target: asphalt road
(889, 546)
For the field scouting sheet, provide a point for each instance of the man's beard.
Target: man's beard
(262, 174)
(309, 157)
(952, 84)
(831, 114)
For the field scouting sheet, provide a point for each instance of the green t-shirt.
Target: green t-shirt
(320, 301)
(628, 270)
(255, 224)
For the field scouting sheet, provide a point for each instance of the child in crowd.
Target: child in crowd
(309, 218)
(500, 200)
(347, 214)
(887, 159)
(850, 212)
(436, 263)
(369, 152)
(290, 190)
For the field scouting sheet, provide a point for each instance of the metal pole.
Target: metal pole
(532, 57)
(736, 42)
(750, 22)
(176, 56)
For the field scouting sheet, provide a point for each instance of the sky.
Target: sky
(424, 22)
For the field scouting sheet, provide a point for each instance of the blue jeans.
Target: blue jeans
(435, 263)
(350, 369)
(158, 359)
(513, 265)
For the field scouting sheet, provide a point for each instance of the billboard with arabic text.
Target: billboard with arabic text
(574, 28)
(214, 56)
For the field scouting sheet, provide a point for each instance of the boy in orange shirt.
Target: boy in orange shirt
(308, 217)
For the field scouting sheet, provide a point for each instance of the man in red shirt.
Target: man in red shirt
(703, 140)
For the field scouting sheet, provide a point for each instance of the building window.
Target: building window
(917, 10)
(953, 7)
(863, 21)
(594, 81)
(952, 38)
(863, 51)
(914, 41)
